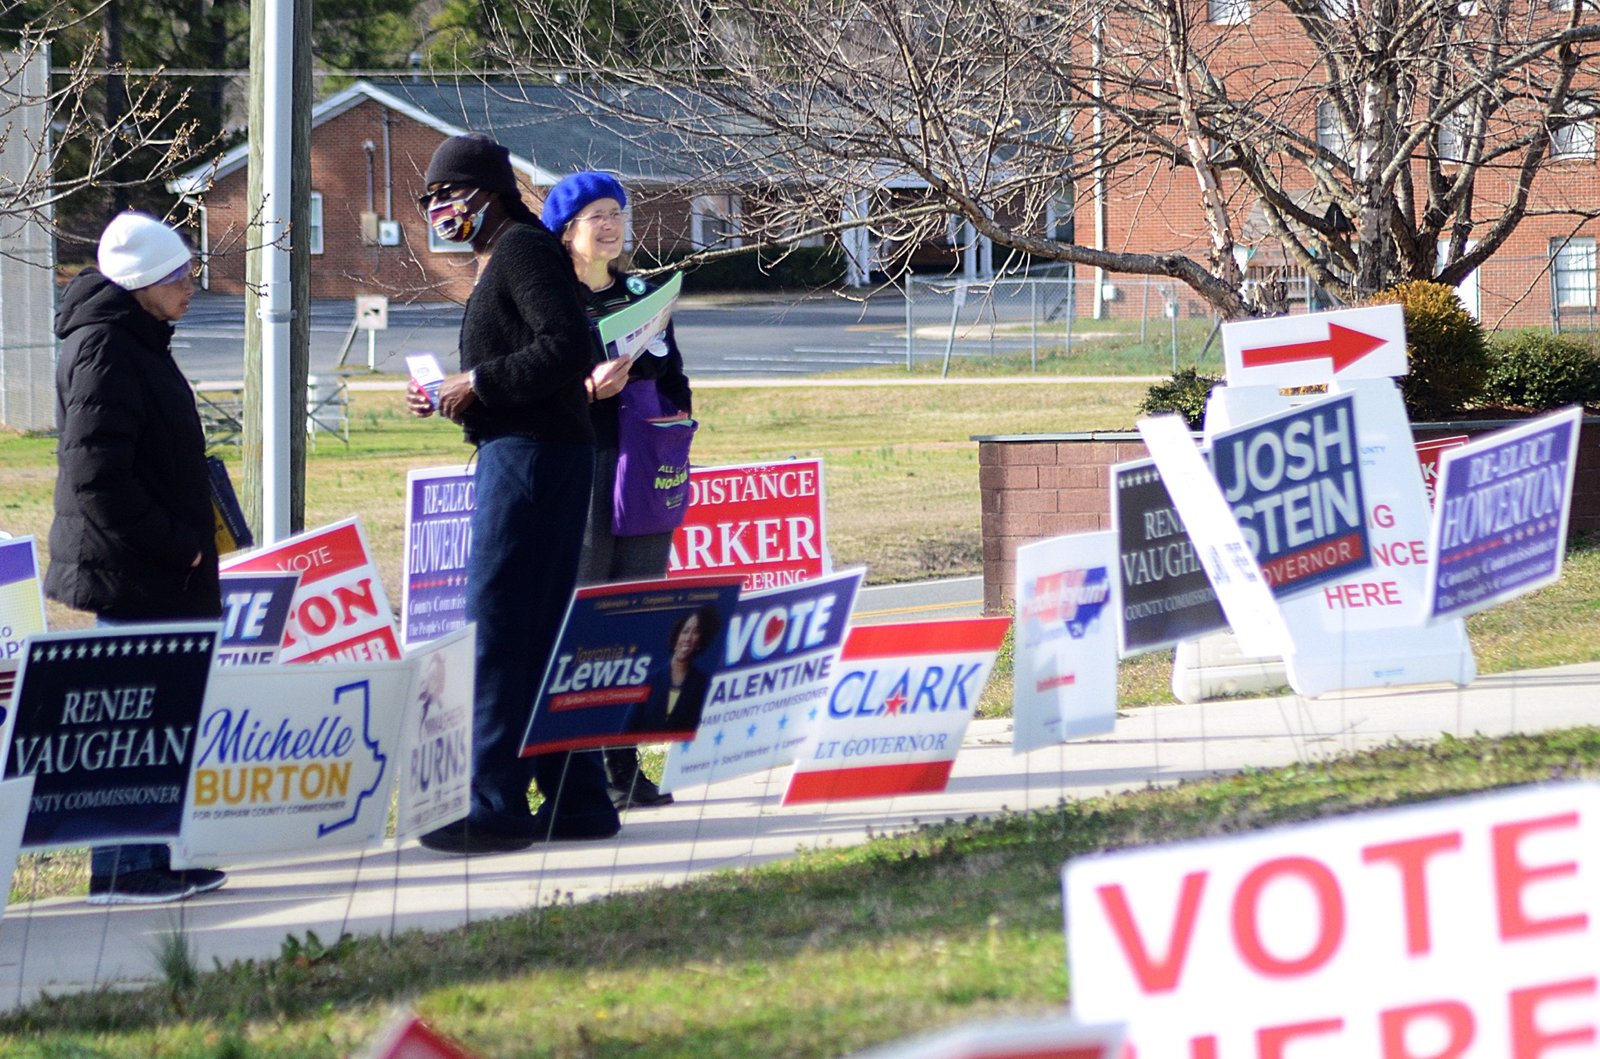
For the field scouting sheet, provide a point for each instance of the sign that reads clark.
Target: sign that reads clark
(761, 521)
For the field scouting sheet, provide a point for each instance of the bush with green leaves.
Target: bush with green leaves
(1445, 345)
(1185, 393)
(1535, 371)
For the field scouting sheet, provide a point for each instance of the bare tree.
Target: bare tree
(1345, 137)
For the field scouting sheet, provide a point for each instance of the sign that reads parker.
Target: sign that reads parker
(633, 664)
(340, 612)
(255, 615)
(21, 596)
(1294, 483)
(1166, 596)
(293, 759)
(778, 665)
(897, 711)
(436, 735)
(762, 521)
(1500, 524)
(106, 724)
(1468, 927)
(439, 504)
(1066, 657)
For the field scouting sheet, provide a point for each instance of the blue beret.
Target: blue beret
(575, 192)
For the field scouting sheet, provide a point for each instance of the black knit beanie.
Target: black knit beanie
(474, 160)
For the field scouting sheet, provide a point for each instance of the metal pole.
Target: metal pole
(1033, 324)
(910, 318)
(372, 351)
(275, 303)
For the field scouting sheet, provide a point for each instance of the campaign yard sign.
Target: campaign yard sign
(633, 664)
(15, 797)
(1500, 524)
(21, 595)
(439, 505)
(106, 724)
(436, 735)
(1066, 653)
(897, 711)
(340, 612)
(1468, 927)
(1293, 481)
(778, 664)
(293, 759)
(1166, 596)
(762, 521)
(255, 615)
(1428, 453)
(1017, 1038)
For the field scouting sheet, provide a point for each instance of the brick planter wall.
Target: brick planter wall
(1042, 485)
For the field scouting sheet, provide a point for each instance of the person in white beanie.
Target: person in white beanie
(133, 537)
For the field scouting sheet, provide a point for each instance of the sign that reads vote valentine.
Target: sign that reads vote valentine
(1166, 596)
(439, 503)
(1462, 928)
(762, 521)
(1500, 524)
(340, 612)
(105, 723)
(21, 596)
(898, 710)
(1293, 481)
(255, 614)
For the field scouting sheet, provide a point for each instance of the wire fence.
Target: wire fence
(27, 258)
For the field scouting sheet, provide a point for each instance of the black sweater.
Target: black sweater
(526, 335)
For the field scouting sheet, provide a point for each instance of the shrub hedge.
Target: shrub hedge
(1535, 371)
(1445, 345)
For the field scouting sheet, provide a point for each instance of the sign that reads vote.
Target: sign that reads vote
(439, 504)
(778, 664)
(762, 521)
(255, 615)
(1294, 483)
(1166, 596)
(1463, 928)
(1500, 523)
(1066, 657)
(106, 725)
(340, 612)
(897, 711)
(21, 596)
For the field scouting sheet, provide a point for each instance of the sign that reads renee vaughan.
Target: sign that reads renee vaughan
(1458, 929)
(1166, 596)
(106, 725)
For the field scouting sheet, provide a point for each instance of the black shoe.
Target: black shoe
(641, 793)
(600, 823)
(204, 880)
(152, 886)
(465, 840)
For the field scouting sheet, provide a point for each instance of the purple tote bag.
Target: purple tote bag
(652, 488)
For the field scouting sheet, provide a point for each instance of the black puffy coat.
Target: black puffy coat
(132, 504)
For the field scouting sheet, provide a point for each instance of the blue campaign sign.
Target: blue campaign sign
(255, 612)
(1293, 481)
(105, 724)
(1500, 522)
(633, 664)
(439, 504)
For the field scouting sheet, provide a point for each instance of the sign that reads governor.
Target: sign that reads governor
(762, 521)
(1294, 483)
(1460, 929)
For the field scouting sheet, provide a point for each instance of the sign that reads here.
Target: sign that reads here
(1460, 929)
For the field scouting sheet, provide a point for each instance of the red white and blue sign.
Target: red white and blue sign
(1500, 522)
(439, 504)
(633, 664)
(898, 711)
(1293, 481)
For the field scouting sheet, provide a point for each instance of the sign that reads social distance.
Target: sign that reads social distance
(340, 612)
(21, 595)
(1462, 928)
(761, 521)
(778, 665)
(439, 504)
(897, 711)
(1166, 596)
(1500, 524)
(1066, 658)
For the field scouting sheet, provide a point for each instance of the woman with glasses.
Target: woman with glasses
(522, 399)
(585, 211)
(133, 538)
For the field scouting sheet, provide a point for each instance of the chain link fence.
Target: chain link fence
(27, 255)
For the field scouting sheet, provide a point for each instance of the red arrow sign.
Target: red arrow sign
(1342, 345)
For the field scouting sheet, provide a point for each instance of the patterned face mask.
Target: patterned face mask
(451, 216)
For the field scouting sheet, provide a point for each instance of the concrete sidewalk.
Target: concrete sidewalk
(63, 945)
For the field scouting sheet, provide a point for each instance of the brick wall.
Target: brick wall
(1040, 486)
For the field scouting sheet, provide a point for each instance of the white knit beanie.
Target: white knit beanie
(138, 250)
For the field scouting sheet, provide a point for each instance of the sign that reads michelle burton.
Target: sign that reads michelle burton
(436, 735)
(1294, 483)
(439, 503)
(1468, 927)
(1500, 523)
(1166, 596)
(778, 662)
(633, 664)
(255, 614)
(762, 521)
(106, 724)
(21, 596)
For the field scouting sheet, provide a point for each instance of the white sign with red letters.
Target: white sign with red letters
(763, 521)
(1462, 929)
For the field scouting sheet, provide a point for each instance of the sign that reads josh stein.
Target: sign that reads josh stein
(1294, 483)
(761, 521)
(106, 725)
(1166, 596)
(1500, 524)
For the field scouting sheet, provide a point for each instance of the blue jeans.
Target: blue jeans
(527, 530)
(108, 861)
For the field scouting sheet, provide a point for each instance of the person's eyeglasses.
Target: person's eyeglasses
(177, 275)
(606, 216)
(446, 193)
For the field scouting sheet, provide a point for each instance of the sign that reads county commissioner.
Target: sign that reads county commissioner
(762, 521)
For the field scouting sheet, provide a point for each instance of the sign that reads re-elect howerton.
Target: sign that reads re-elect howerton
(1166, 596)
(1500, 523)
(1294, 483)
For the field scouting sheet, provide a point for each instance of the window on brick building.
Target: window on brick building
(1572, 141)
(1330, 134)
(714, 222)
(1572, 272)
(314, 223)
(1228, 12)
